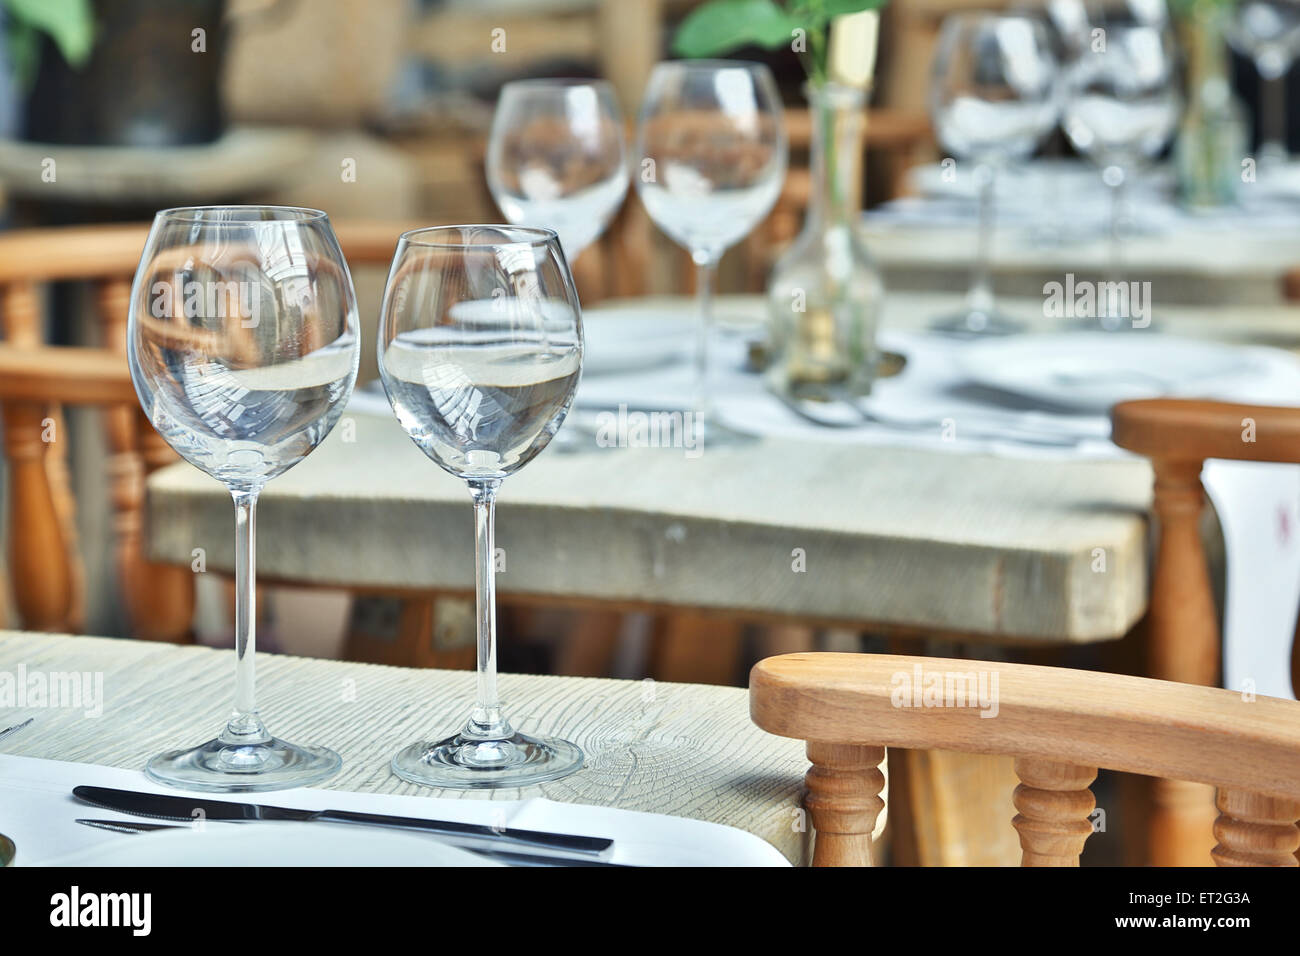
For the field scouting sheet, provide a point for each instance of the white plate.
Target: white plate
(633, 340)
(273, 844)
(1091, 371)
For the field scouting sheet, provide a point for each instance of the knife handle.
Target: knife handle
(480, 836)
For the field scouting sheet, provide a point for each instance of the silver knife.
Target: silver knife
(504, 855)
(15, 728)
(469, 836)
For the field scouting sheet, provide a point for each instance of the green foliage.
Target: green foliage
(69, 23)
(721, 26)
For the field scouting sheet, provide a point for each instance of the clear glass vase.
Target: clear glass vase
(1212, 136)
(825, 292)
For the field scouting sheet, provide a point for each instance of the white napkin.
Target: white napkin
(38, 812)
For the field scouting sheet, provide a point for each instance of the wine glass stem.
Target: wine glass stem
(705, 266)
(486, 723)
(244, 725)
(979, 298)
(1115, 180)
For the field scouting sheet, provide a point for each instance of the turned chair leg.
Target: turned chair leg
(1255, 830)
(843, 798)
(1055, 804)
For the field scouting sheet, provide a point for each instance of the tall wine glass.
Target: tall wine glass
(993, 99)
(1268, 31)
(243, 349)
(1122, 105)
(711, 149)
(557, 158)
(480, 349)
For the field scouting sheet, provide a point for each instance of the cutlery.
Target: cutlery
(517, 859)
(15, 728)
(859, 416)
(469, 836)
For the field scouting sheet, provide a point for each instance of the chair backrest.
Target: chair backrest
(38, 380)
(1061, 726)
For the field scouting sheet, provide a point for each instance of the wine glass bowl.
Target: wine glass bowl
(480, 351)
(242, 345)
(711, 153)
(1123, 104)
(557, 157)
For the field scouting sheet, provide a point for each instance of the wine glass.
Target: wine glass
(993, 99)
(557, 158)
(1268, 31)
(712, 152)
(243, 349)
(1121, 106)
(480, 349)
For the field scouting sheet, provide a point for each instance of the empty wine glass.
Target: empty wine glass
(243, 349)
(1268, 31)
(993, 99)
(1121, 107)
(480, 349)
(557, 158)
(712, 152)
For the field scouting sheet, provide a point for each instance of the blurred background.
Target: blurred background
(377, 111)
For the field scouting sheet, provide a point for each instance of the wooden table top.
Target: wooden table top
(989, 548)
(1233, 268)
(685, 750)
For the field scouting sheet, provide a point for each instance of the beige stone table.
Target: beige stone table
(1231, 268)
(974, 546)
(685, 750)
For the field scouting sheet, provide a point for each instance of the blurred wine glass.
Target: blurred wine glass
(243, 350)
(993, 99)
(1122, 105)
(711, 146)
(1268, 32)
(557, 158)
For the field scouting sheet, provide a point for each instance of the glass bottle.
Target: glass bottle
(825, 292)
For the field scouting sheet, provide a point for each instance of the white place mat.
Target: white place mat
(38, 812)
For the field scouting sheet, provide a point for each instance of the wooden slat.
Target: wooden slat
(1131, 724)
(72, 376)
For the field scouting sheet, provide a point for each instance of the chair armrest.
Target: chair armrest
(1176, 429)
(1130, 724)
(73, 376)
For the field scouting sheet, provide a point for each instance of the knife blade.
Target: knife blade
(470, 836)
(505, 856)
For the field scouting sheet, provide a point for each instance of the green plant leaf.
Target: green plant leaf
(69, 23)
(724, 25)
(838, 8)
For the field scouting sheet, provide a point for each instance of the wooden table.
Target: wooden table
(1232, 269)
(984, 548)
(682, 749)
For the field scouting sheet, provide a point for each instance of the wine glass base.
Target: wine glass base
(977, 323)
(220, 767)
(462, 763)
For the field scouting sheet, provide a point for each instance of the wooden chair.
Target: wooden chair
(37, 381)
(1178, 435)
(1060, 725)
